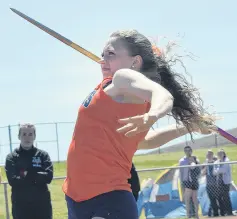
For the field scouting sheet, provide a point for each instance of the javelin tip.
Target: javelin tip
(57, 36)
(13, 9)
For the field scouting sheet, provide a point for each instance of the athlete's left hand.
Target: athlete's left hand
(137, 124)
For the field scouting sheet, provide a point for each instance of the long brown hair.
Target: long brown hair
(188, 105)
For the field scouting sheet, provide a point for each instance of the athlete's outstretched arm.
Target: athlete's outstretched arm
(162, 136)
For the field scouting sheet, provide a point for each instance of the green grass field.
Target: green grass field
(141, 162)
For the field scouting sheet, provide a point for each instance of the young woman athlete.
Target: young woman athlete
(114, 120)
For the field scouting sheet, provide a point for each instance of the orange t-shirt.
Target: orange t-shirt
(100, 159)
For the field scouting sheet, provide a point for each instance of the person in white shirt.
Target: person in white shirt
(189, 178)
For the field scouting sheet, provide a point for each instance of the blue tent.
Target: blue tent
(163, 198)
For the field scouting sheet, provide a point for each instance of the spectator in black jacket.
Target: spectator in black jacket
(134, 182)
(28, 171)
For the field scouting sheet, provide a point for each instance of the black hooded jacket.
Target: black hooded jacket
(39, 167)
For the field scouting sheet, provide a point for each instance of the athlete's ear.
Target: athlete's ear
(137, 62)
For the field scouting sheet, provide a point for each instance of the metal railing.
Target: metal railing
(157, 170)
(5, 184)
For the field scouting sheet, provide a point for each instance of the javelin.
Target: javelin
(93, 57)
(58, 36)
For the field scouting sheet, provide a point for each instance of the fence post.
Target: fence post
(56, 129)
(216, 140)
(10, 138)
(186, 140)
(6, 201)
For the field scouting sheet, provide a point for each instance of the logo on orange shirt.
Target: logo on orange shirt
(88, 99)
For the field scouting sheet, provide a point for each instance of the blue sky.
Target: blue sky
(43, 80)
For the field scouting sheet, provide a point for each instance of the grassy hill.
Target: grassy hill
(209, 141)
(141, 162)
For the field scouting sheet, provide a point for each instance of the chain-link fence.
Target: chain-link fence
(55, 137)
(185, 191)
(167, 192)
(51, 137)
